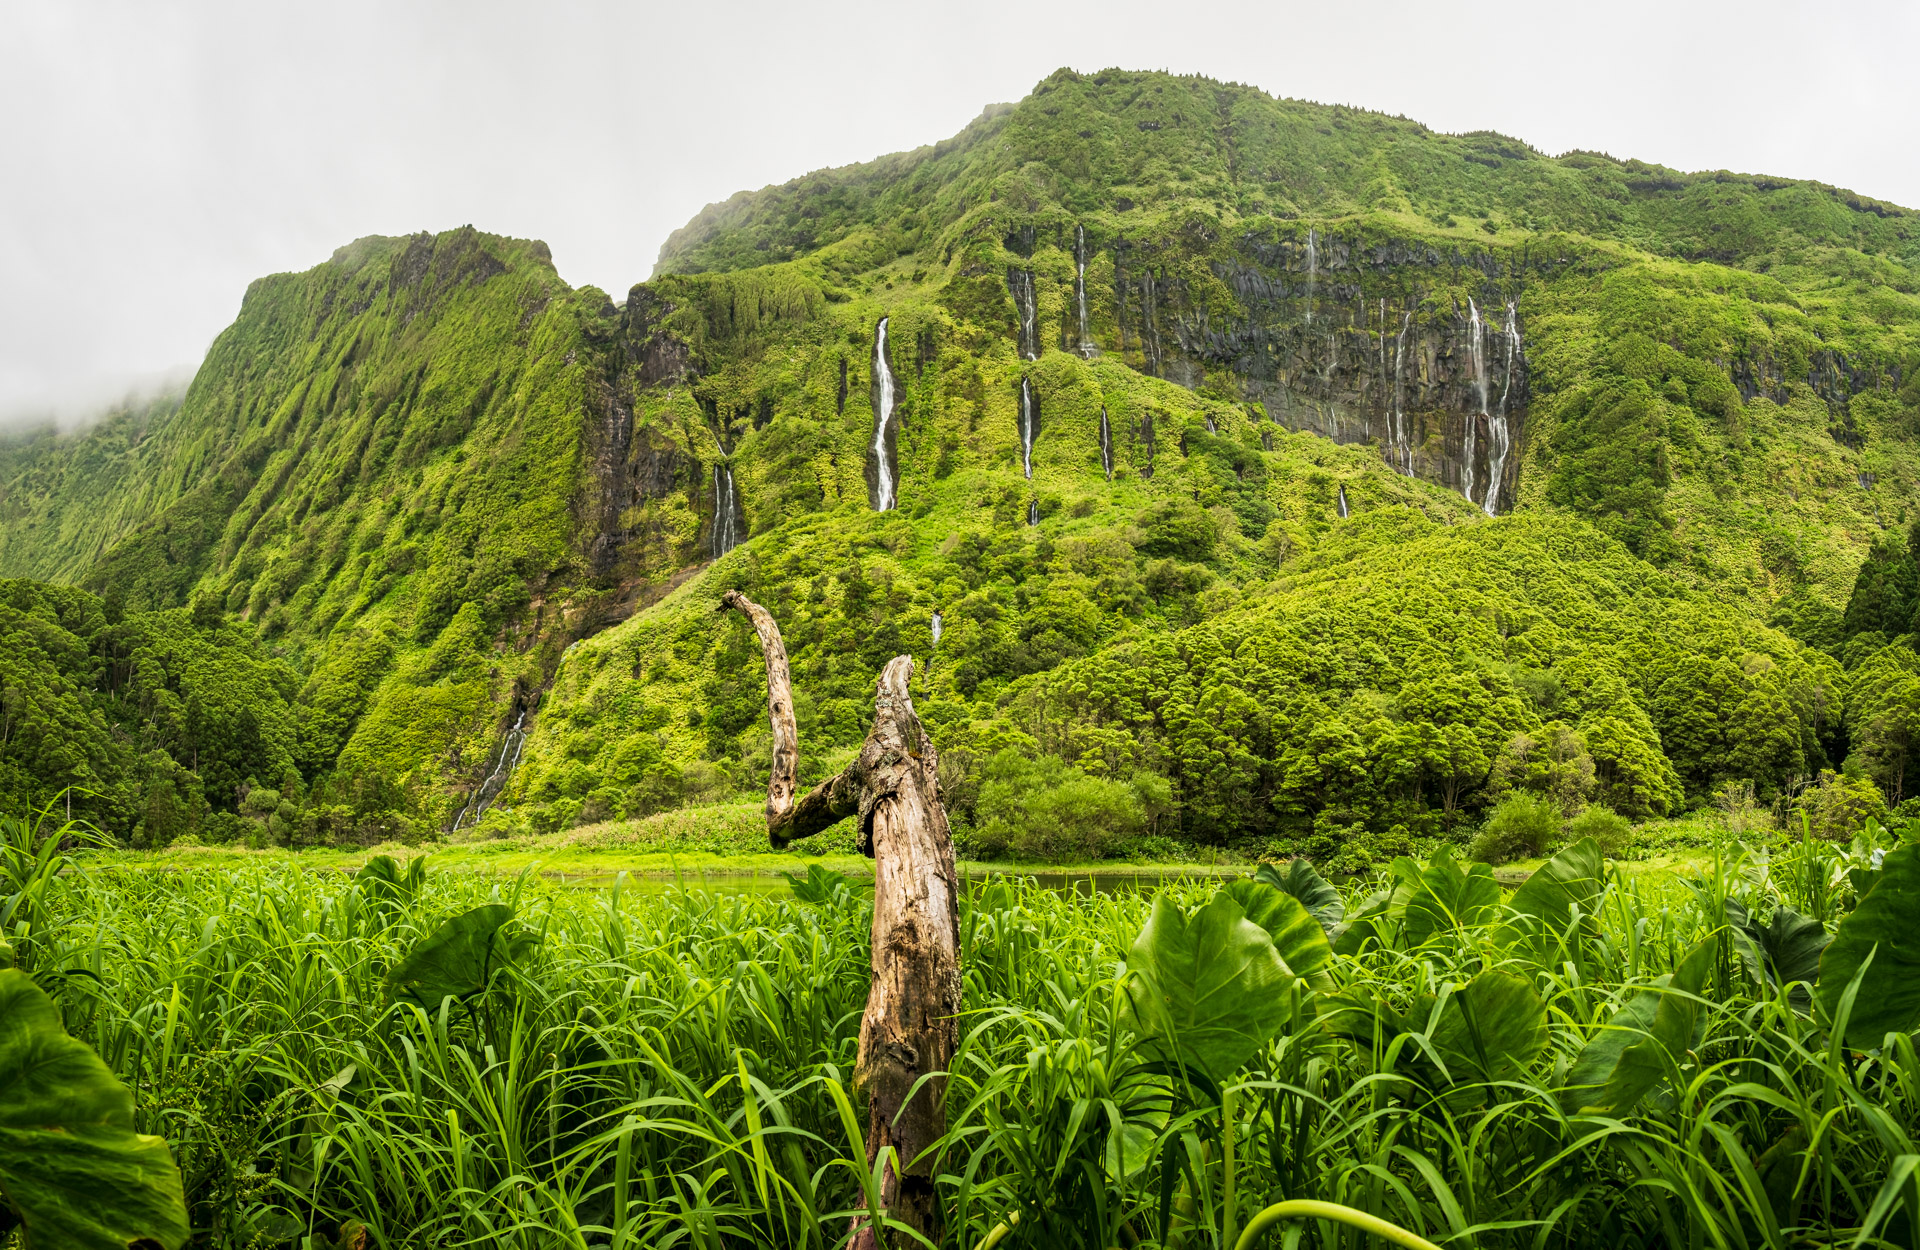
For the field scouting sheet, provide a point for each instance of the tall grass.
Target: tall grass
(675, 1070)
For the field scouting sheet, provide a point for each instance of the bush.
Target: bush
(1523, 824)
(1604, 825)
(1040, 807)
(1840, 806)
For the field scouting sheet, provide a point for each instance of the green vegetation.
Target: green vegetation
(1595, 1059)
(448, 533)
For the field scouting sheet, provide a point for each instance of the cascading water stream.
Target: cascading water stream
(1313, 272)
(1080, 288)
(1106, 443)
(726, 511)
(1033, 512)
(1020, 286)
(884, 490)
(937, 620)
(1341, 501)
(1026, 426)
(496, 779)
(1477, 354)
(1402, 435)
(1500, 434)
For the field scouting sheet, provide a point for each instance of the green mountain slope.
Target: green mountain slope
(1143, 375)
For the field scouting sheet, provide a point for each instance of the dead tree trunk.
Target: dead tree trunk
(911, 1024)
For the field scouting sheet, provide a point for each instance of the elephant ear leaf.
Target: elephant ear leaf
(1207, 990)
(1541, 912)
(1449, 899)
(75, 1172)
(1785, 951)
(459, 959)
(1646, 1039)
(1299, 879)
(1490, 1030)
(1302, 943)
(1885, 926)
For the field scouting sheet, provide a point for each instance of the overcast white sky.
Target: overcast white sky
(155, 157)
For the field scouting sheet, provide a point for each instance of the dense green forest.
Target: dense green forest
(1242, 473)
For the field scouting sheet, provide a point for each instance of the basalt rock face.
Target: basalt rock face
(1416, 350)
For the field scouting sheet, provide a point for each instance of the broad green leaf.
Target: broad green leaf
(1491, 1029)
(1449, 899)
(460, 958)
(1302, 943)
(820, 886)
(1208, 989)
(1886, 925)
(1647, 1037)
(1371, 921)
(1784, 951)
(1541, 911)
(1299, 879)
(74, 1170)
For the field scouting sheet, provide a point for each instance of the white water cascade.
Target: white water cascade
(936, 626)
(1499, 433)
(1313, 272)
(726, 511)
(1026, 426)
(1402, 436)
(1477, 353)
(496, 779)
(1341, 501)
(1106, 443)
(1033, 512)
(1020, 283)
(884, 488)
(1080, 288)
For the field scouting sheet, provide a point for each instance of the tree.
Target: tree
(910, 1029)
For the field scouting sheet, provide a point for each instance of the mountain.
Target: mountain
(1297, 474)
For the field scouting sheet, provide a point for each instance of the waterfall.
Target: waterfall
(1341, 502)
(1027, 422)
(1313, 272)
(726, 510)
(1211, 428)
(1106, 443)
(1499, 434)
(936, 627)
(1033, 512)
(1020, 286)
(1477, 355)
(497, 777)
(884, 490)
(1402, 434)
(1080, 288)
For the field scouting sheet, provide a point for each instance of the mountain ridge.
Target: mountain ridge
(1148, 379)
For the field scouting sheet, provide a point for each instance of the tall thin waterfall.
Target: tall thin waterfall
(1499, 433)
(1080, 287)
(1402, 435)
(1027, 423)
(885, 489)
(1477, 353)
(936, 626)
(726, 511)
(1341, 502)
(1020, 286)
(496, 780)
(1313, 272)
(1033, 512)
(1106, 443)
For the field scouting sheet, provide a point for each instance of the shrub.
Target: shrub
(1604, 825)
(1523, 824)
(1041, 807)
(1840, 805)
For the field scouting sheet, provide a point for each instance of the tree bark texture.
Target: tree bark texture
(911, 1023)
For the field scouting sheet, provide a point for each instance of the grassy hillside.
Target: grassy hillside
(1187, 386)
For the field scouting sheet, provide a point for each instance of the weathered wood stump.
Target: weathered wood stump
(911, 1021)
